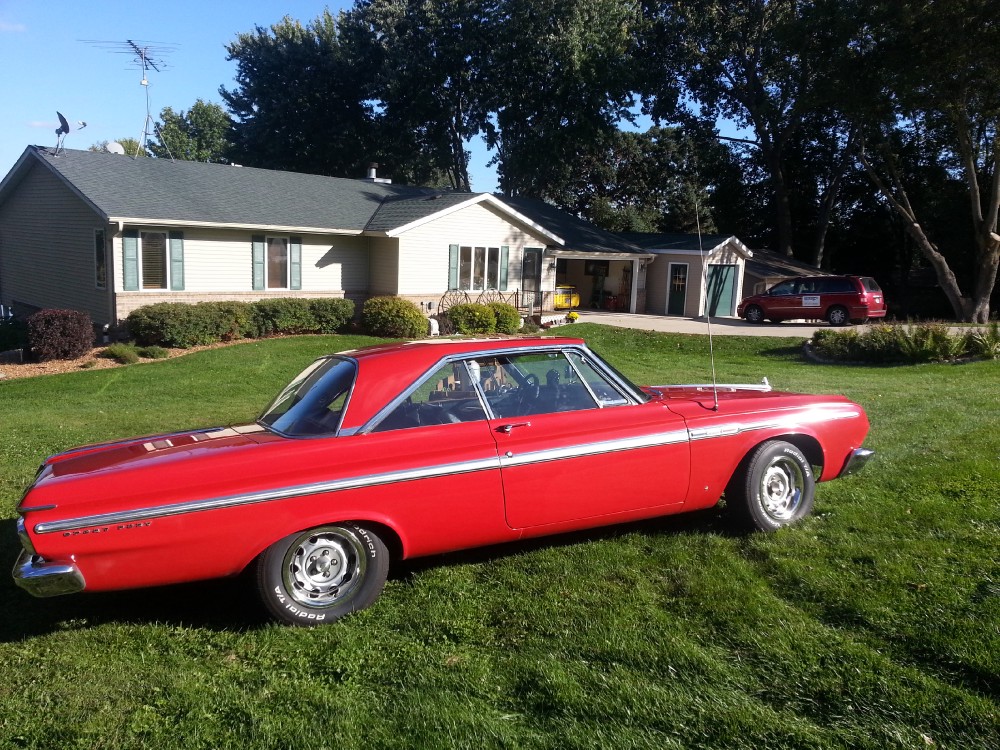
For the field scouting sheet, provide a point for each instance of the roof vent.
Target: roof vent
(373, 175)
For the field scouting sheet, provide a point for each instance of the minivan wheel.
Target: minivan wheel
(837, 316)
(754, 314)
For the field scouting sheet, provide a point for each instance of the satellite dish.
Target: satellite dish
(63, 124)
(114, 147)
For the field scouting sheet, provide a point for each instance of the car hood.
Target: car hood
(705, 401)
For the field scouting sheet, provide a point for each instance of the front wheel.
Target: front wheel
(318, 576)
(754, 314)
(773, 487)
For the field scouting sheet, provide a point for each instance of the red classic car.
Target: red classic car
(401, 450)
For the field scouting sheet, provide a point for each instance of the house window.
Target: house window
(277, 262)
(479, 268)
(154, 260)
(100, 260)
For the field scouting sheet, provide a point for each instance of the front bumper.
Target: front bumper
(41, 578)
(856, 461)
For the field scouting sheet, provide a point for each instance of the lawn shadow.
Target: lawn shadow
(232, 604)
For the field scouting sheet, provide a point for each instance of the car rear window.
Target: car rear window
(869, 284)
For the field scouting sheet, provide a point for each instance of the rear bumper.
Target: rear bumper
(42, 579)
(856, 461)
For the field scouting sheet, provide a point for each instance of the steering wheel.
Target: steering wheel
(528, 392)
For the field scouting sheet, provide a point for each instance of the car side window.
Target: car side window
(536, 383)
(448, 396)
(782, 288)
(605, 392)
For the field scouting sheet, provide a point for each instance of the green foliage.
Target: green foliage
(332, 315)
(508, 319)
(985, 342)
(237, 320)
(200, 134)
(910, 344)
(284, 316)
(13, 334)
(472, 318)
(125, 354)
(176, 324)
(393, 317)
(153, 352)
(60, 334)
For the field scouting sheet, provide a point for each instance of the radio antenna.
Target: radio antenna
(708, 308)
(145, 56)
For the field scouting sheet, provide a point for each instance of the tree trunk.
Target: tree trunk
(782, 205)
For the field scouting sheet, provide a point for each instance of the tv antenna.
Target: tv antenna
(145, 56)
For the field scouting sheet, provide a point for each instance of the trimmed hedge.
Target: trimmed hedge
(508, 319)
(393, 318)
(60, 334)
(178, 324)
(472, 318)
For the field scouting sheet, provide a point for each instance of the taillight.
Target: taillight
(864, 298)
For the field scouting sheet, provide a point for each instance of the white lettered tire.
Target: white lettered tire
(773, 487)
(319, 575)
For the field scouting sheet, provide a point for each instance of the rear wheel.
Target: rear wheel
(320, 575)
(837, 315)
(773, 487)
(754, 314)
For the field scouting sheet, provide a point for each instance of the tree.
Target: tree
(131, 146)
(562, 82)
(200, 134)
(301, 102)
(428, 63)
(761, 64)
(933, 88)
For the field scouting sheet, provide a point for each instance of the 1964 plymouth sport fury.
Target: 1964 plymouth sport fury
(402, 450)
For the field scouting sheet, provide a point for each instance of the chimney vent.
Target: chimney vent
(373, 174)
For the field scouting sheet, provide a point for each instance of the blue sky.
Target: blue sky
(46, 67)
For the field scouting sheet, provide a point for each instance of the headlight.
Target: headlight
(22, 532)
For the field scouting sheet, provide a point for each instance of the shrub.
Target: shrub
(125, 354)
(177, 324)
(508, 319)
(153, 352)
(393, 317)
(471, 318)
(60, 334)
(13, 334)
(277, 316)
(984, 342)
(332, 315)
(236, 320)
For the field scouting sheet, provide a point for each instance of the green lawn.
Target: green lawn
(875, 624)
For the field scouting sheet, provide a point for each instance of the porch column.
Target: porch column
(634, 291)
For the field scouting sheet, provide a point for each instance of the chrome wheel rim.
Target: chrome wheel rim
(838, 317)
(324, 567)
(781, 489)
(755, 314)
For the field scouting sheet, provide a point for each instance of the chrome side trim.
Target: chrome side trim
(590, 449)
(41, 578)
(817, 414)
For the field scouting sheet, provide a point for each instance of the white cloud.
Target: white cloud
(12, 27)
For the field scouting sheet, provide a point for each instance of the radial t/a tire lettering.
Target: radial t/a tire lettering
(319, 575)
(773, 487)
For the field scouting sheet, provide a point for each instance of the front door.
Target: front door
(677, 289)
(721, 289)
(531, 277)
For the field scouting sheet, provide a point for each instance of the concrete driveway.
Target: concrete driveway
(720, 326)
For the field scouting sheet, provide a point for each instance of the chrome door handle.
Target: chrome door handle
(507, 428)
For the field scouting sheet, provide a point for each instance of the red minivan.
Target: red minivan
(837, 299)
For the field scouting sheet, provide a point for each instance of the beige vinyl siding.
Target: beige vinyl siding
(47, 247)
(220, 261)
(423, 251)
(384, 266)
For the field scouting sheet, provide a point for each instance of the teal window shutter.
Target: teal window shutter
(177, 261)
(453, 266)
(295, 263)
(130, 260)
(258, 261)
(504, 260)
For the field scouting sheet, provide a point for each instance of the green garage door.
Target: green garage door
(721, 290)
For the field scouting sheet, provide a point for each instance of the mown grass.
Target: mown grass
(872, 625)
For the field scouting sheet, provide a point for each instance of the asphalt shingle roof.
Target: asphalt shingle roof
(577, 233)
(160, 189)
(674, 240)
(398, 211)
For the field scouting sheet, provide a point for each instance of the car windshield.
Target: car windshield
(313, 403)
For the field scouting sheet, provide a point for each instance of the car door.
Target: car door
(782, 301)
(575, 445)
